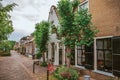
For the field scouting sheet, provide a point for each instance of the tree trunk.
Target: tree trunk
(68, 57)
(43, 55)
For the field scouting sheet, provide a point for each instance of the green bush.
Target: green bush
(38, 55)
(5, 54)
(110, 78)
(44, 64)
(63, 73)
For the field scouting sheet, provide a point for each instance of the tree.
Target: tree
(76, 26)
(5, 22)
(6, 46)
(12, 43)
(41, 37)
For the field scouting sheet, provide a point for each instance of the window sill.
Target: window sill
(81, 67)
(104, 73)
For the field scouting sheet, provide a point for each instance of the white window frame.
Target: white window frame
(76, 58)
(86, 1)
(95, 58)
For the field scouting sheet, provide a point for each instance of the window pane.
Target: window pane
(116, 55)
(81, 55)
(108, 66)
(99, 44)
(100, 65)
(116, 46)
(108, 61)
(100, 55)
(79, 61)
(89, 48)
(108, 55)
(107, 44)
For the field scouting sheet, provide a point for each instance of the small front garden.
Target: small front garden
(64, 73)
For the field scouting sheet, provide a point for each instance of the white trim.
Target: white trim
(88, 5)
(58, 52)
(75, 55)
(103, 37)
(86, 1)
(81, 67)
(83, 2)
(95, 55)
(63, 55)
(56, 55)
(104, 73)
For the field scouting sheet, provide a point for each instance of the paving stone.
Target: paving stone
(19, 67)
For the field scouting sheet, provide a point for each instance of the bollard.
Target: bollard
(33, 56)
(47, 74)
(33, 67)
(86, 77)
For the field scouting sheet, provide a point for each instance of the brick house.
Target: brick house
(17, 46)
(28, 46)
(101, 59)
(103, 56)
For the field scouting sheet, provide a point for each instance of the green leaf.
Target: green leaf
(42, 36)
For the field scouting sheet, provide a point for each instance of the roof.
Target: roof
(55, 9)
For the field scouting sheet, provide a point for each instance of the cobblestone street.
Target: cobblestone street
(18, 67)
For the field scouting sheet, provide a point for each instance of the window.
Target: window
(104, 54)
(84, 5)
(89, 56)
(116, 55)
(81, 55)
(85, 56)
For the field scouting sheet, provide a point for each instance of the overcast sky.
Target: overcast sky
(27, 14)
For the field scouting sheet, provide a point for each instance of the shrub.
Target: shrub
(63, 73)
(44, 64)
(38, 55)
(5, 54)
(110, 78)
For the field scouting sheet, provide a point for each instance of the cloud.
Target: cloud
(17, 34)
(23, 23)
(29, 12)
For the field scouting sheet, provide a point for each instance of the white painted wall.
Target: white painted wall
(53, 17)
(56, 56)
(53, 38)
(49, 51)
(63, 55)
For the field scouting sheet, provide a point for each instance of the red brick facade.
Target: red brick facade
(106, 16)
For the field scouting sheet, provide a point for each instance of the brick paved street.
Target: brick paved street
(18, 67)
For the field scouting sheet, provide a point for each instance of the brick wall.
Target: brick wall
(106, 16)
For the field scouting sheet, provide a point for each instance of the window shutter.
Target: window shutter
(116, 55)
(89, 57)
